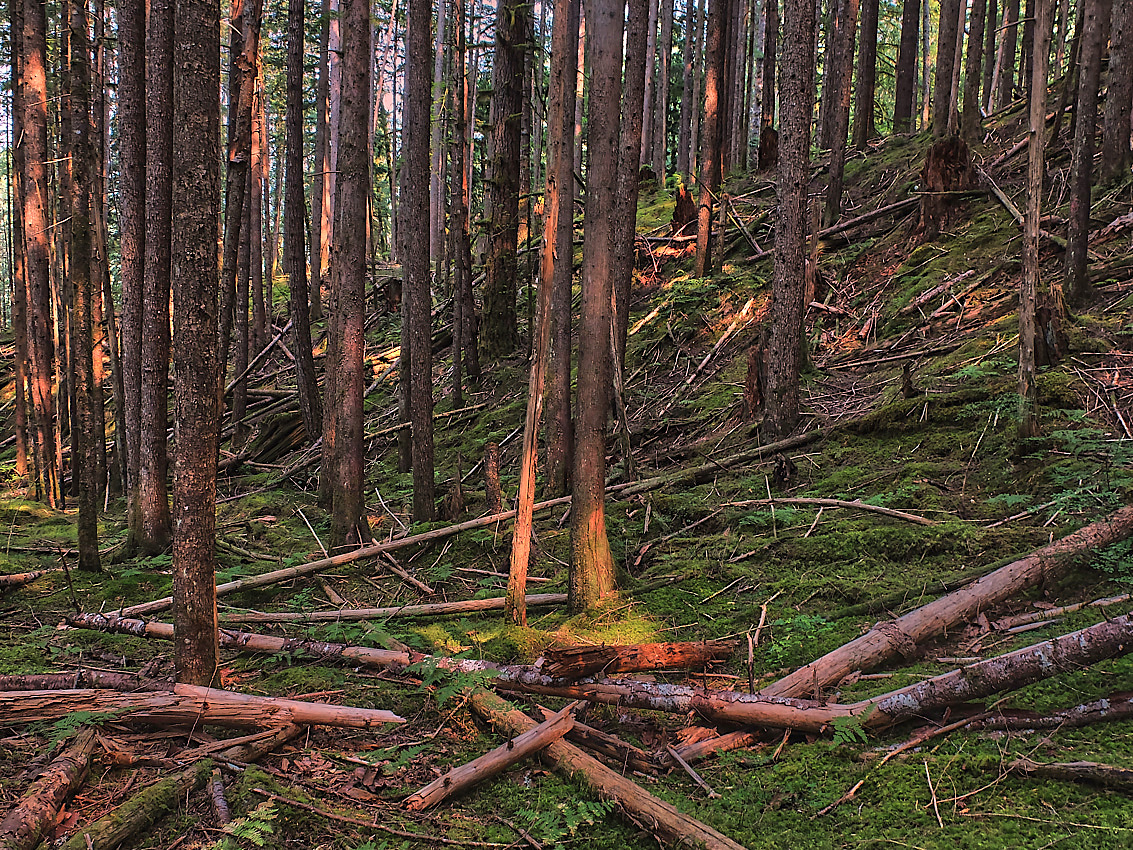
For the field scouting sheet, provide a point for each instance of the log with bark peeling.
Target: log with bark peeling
(903, 634)
(1106, 709)
(660, 818)
(1105, 775)
(492, 764)
(12, 581)
(24, 825)
(149, 805)
(577, 662)
(185, 705)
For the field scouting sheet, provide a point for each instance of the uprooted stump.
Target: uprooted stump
(947, 169)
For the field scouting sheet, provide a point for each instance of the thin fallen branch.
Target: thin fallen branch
(712, 795)
(903, 634)
(899, 206)
(23, 827)
(153, 802)
(1105, 775)
(492, 764)
(433, 609)
(1005, 623)
(1114, 707)
(856, 504)
(641, 807)
(185, 705)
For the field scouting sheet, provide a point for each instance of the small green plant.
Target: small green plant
(67, 726)
(254, 829)
(447, 684)
(553, 826)
(850, 730)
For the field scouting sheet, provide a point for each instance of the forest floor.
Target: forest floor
(692, 565)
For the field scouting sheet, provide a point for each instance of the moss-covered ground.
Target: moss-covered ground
(947, 451)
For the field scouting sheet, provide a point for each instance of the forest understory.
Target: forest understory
(905, 482)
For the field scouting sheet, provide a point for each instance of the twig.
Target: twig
(313, 534)
(763, 615)
(712, 795)
(932, 791)
(856, 504)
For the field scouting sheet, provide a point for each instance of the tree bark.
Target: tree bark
(1119, 94)
(196, 133)
(294, 215)
(1005, 63)
(494, 763)
(788, 288)
(18, 269)
(970, 119)
(947, 37)
(432, 609)
(23, 827)
(1076, 286)
(322, 199)
(841, 69)
(866, 90)
(592, 565)
(990, 28)
(719, 13)
(902, 634)
(649, 59)
(436, 123)
(578, 662)
(661, 133)
(1032, 272)
(692, 21)
(768, 136)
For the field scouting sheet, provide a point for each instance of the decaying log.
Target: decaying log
(12, 581)
(23, 826)
(641, 807)
(903, 634)
(152, 803)
(492, 764)
(1004, 623)
(856, 504)
(433, 609)
(1105, 775)
(185, 705)
(1114, 707)
(219, 800)
(84, 678)
(720, 744)
(622, 753)
(577, 662)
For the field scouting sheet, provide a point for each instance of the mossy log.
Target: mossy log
(901, 636)
(658, 817)
(152, 803)
(1091, 772)
(578, 661)
(24, 825)
(185, 705)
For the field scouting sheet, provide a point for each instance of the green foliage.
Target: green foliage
(254, 829)
(446, 684)
(66, 727)
(850, 730)
(559, 823)
(1116, 561)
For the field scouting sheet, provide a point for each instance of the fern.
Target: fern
(253, 829)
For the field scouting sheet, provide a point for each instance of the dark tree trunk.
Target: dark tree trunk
(719, 13)
(294, 216)
(321, 201)
(240, 308)
(1027, 54)
(626, 192)
(154, 530)
(948, 35)
(592, 566)
(196, 134)
(33, 102)
(132, 239)
(991, 24)
(560, 431)
(91, 431)
(458, 213)
(1029, 287)
(415, 207)
(647, 106)
(1005, 63)
(768, 136)
(665, 55)
(796, 92)
(697, 88)
(502, 193)
(259, 337)
(841, 67)
(18, 269)
(1094, 34)
(684, 132)
(866, 89)
(970, 120)
(1119, 93)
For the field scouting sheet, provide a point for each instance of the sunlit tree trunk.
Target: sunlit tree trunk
(196, 199)
(18, 269)
(648, 106)
(661, 130)
(719, 14)
(321, 199)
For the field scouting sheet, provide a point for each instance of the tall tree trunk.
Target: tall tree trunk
(91, 431)
(684, 132)
(1025, 60)
(957, 66)
(1119, 93)
(458, 213)
(665, 54)
(592, 566)
(132, 239)
(17, 268)
(990, 27)
(1094, 34)
(154, 529)
(865, 92)
(348, 260)
(796, 92)
(948, 35)
(322, 202)
(767, 105)
(196, 135)
(436, 172)
(719, 14)
(648, 105)
(697, 87)
(1005, 63)
(240, 429)
(926, 67)
(841, 66)
(626, 191)
(33, 102)
(260, 171)
(1029, 286)
(502, 193)
(560, 426)
(415, 207)
(970, 121)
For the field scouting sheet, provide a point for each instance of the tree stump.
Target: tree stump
(684, 213)
(947, 168)
(768, 148)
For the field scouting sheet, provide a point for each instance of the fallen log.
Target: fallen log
(84, 678)
(720, 744)
(637, 804)
(577, 662)
(23, 827)
(1115, 707)
(625, 755)
(1091, 772)
(494, 763)
(433, 609)
(1005, 623)
(901, 636)
(856, 504)
(185, 705)
(152, 803)
(13, 581)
